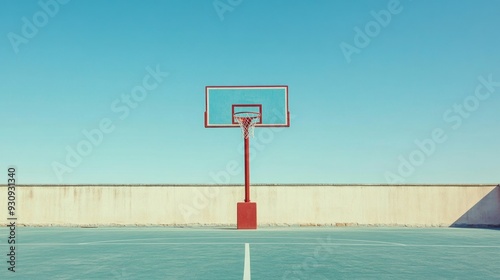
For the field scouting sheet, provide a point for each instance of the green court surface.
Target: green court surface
(273, 253)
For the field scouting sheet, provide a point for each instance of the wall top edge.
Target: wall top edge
(256, 185)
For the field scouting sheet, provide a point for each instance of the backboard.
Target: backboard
(221, 102)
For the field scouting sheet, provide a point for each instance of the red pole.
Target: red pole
(247, 169)
(246, 213)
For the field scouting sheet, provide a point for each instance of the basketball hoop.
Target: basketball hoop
(247, 121)
(245, 106)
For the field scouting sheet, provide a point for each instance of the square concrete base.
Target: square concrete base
(247, 215)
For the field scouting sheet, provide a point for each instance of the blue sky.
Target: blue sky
(413, 98)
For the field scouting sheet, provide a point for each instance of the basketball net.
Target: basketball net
(247, 121)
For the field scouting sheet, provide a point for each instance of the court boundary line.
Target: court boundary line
(240, 237)
(265, 243)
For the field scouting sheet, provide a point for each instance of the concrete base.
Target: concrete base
(247, 215)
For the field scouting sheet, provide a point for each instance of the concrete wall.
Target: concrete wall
(436, 205)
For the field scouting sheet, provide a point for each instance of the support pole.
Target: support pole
(247, 169)
(246, 213)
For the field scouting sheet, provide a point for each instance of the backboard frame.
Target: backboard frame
(255, 103)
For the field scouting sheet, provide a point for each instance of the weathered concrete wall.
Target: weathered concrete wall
(435, 205)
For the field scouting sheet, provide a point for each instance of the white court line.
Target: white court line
(372, 241)
(219, 237)
(385, 245)
(240, 237)
(264, 243)
(246, 267)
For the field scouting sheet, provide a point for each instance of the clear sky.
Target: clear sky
(381, 91)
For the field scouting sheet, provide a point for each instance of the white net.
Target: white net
(247, 121)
